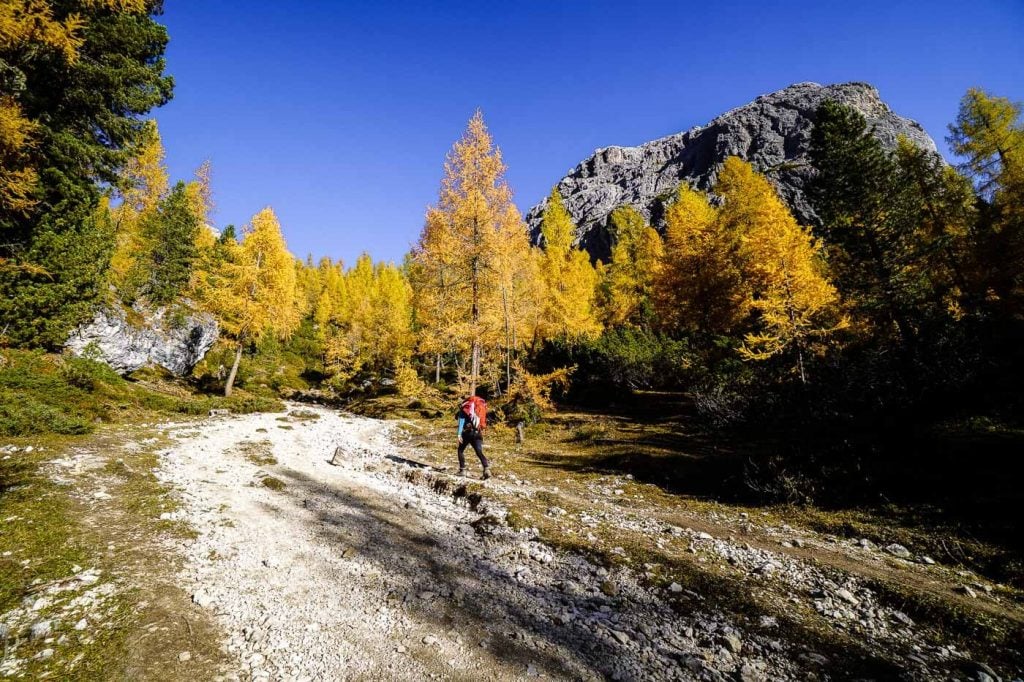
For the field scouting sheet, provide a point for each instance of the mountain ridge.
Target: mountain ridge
(772, 132)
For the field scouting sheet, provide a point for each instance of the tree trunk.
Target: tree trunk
(437, 370)
(475, 367)
(508, 340)
(234, 371)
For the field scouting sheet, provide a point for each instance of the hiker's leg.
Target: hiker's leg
(462, 454)
(478, 447)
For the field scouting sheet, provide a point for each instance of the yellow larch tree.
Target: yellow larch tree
(569, 280)
(793, 301)
(144, 183)
(700, 286)
(252, 294)
(629, 277)
(471, 253)
(370, 327)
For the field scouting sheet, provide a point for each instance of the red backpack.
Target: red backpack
(476, 406)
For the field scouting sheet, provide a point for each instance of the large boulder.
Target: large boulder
(773, 133)
(172, 339)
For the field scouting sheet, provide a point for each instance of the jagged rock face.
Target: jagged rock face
(174, 342)
(773, 133)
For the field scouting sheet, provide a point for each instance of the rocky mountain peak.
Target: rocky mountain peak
(772, 132)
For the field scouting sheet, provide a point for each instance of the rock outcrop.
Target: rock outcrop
(773, 133)
(173, 340)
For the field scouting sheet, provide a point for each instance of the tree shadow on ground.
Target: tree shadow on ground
(518, 618)
(954, 483)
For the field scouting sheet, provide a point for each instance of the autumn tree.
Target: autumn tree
(468, 263)
(364, 316)
(252, 291)
(793, 301)
(700, 286)
(568, 278)
(630, 274)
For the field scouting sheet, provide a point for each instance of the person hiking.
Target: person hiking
(472, 416)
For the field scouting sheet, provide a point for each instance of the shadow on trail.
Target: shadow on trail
(483, 597)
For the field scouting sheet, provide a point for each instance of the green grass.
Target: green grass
(275, 484)
(42, 393)
(41, 530)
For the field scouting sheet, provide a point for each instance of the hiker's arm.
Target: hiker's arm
(462, 423)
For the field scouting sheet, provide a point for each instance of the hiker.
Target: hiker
(472, 416)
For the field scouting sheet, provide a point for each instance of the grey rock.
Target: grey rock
(847, 597)
(773, 133)
(898, 550)
(40, 630)
(965, 589)
(162, 338)
(752, 672)
(621, 636)
(184, 656)
(202, 600)
(733, 643)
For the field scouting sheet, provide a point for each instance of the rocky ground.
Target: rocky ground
(329, 546)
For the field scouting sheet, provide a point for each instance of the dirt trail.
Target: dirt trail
(371, 569)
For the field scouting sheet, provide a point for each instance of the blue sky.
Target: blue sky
(339, 114)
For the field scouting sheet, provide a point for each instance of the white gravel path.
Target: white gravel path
(353, 573)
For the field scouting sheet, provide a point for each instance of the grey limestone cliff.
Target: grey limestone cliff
(773, 133)
(175, 342)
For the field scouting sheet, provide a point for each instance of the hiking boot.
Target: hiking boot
(462, 472)
(487, 473)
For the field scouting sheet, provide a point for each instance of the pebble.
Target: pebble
(184, 656)
(898, 550)
(847, 597)
(733, 643)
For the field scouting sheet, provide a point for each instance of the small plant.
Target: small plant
(591, 432)
(275, 484)
(259, 452)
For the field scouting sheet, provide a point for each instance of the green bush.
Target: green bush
(617, 362)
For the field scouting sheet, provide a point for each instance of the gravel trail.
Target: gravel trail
(352, 571)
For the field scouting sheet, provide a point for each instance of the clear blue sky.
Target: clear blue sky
(339, 114)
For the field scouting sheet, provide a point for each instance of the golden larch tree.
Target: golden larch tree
(793, 301)
(468, 264)
(569, 280)
(252, 294)
(629, 277)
